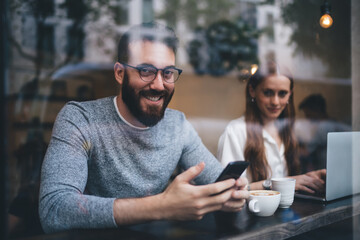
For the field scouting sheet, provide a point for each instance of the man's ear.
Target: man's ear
(119, 72)
(252, 91)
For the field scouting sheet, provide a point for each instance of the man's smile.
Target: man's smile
(153, 98)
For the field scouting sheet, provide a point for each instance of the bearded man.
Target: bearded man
(109, 161)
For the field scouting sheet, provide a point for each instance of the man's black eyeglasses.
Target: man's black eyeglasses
(148, 73)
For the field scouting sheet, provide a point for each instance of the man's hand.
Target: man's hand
(238, 197)
(184, 201)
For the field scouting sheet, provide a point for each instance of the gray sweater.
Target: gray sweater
(94, 157)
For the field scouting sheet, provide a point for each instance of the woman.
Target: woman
(264, 136)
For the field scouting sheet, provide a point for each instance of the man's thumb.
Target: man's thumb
(192, 172)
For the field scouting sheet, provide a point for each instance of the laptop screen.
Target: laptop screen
(342, 164)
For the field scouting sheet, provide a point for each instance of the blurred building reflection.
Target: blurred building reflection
(63, 50)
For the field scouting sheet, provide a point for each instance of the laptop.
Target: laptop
(342, 167)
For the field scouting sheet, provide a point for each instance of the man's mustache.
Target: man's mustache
(153, 92)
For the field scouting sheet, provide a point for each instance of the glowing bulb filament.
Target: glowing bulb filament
(254, 68)
(326, 21)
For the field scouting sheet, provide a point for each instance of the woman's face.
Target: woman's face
(271, 96)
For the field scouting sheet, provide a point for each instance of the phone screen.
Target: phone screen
(233, 170)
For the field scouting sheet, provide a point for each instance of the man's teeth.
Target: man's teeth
(153, 98)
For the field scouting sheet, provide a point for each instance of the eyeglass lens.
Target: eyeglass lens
(149, 74)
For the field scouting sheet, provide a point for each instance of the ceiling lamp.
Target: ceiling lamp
(254, 68)
(326, 20)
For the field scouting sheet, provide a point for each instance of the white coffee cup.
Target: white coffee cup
(264, 203)
(286, 186)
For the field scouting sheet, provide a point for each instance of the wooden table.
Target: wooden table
(303, 216)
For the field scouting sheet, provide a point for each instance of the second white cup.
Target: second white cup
(286, 186)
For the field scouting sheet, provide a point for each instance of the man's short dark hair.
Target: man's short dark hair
(315, 102)
(152, 31)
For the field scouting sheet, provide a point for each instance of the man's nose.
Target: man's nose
(158, 82)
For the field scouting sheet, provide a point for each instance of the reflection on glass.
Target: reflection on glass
(64, 50)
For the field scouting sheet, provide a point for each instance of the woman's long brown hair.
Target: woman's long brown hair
(255, 148)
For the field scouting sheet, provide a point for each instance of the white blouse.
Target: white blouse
(231, 147)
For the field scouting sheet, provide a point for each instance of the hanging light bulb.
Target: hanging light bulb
(254, 68)
(326, 20)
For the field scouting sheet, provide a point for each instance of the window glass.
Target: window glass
(63, 50)
(148, 14)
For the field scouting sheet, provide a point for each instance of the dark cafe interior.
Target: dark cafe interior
(57, 51)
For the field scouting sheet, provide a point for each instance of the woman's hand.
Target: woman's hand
(311, 182)
(318, 174)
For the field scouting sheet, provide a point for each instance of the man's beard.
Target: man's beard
(153, 114)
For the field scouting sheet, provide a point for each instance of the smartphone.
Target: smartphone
(233, 170)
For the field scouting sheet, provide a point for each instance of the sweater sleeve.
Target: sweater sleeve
(62, 202)
(195, 152)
